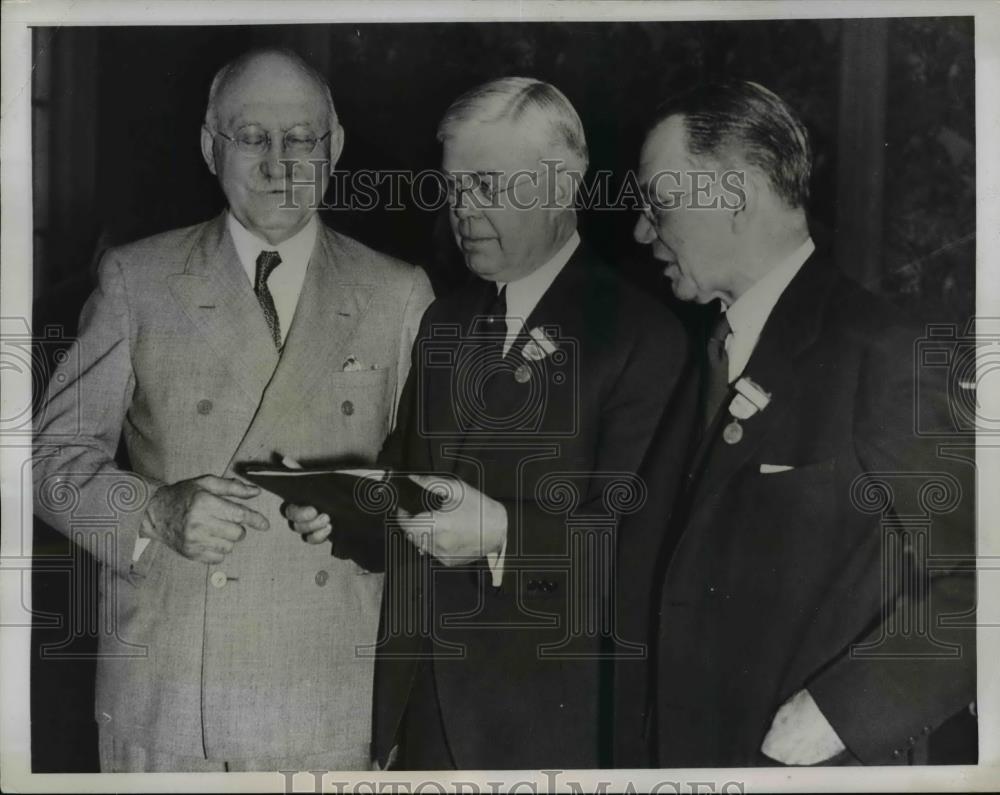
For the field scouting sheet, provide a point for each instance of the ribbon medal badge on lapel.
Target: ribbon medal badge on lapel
(750, 398)
(535, 349)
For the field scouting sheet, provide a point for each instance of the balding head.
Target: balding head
(268, 69)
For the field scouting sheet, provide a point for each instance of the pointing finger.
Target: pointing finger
(228, 487)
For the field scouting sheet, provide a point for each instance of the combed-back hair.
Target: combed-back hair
(522, 99)
(744, 119)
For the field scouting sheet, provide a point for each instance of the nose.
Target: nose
(464, 206)
(270, 162)
(643, 231)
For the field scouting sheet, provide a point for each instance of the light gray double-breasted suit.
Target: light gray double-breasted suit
(253, 658)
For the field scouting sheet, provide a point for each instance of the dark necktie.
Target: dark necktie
(497, 310)
(267, 261)
(717, 373)
(496, 322)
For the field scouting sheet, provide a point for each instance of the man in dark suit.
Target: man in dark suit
(536, 389)
(807, 589)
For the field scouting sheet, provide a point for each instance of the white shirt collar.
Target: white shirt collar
(285, 283)
(524, 294)
(750, 311)
(295, 251)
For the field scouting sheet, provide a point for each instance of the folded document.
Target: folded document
(344, 493)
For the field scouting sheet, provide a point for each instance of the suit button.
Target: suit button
(205, 406)
(321, 577)
(533, 585)
(218, 579)
(911, 740)
(927, 729)
(895, 753)
(347, 408)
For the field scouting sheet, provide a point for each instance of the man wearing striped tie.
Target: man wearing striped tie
(258, 332)
(812, 586)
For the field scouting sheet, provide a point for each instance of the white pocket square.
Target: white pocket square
(771, 469)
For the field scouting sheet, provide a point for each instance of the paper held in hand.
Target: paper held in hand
(344, 493)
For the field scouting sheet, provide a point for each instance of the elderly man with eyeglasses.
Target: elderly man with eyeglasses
(202, 349)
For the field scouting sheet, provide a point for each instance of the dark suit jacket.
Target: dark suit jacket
(763, 583)
(516, 672)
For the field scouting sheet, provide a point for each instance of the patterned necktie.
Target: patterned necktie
(717, 374)
(267, 261)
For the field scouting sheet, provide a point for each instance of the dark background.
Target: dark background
(115, 127)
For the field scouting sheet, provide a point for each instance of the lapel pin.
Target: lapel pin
(522, 374)
(732, 433)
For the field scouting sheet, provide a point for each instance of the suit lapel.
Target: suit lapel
(561, 306)
(791, 329)
(327, 316)
(216, 295)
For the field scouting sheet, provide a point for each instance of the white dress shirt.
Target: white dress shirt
(523, 296)
(285, 281)
(748, 313)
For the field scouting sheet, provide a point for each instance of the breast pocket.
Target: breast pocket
(804, 487)
(359, 406)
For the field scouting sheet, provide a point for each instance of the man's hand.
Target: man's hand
(313, 526)
(800, 734)
(468, 526)
(200, 518)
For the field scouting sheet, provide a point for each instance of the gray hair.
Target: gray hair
(512, 99)
(238, 64)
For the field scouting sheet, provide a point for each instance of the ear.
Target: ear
(208, 148)
(566, 185)
(336, 146)
(743, 197)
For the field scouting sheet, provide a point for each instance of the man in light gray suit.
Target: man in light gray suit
(256, 334)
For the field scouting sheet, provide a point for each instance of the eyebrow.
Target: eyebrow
(478, 172)
(238, 124)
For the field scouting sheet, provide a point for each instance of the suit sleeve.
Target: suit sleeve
(629, 416)
(881, 705)
(78, 487)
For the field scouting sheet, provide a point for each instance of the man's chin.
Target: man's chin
(482, 264)
(683, 291)
(278, 226)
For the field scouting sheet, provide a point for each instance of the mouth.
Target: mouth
(670, 267)
(476, 242)
(279, 191)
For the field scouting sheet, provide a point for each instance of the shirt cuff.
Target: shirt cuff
(496, 561)
(141, 542)
(140, 545)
